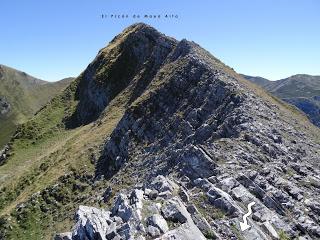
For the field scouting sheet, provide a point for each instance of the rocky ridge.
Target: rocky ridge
(206, 128)
(196, 143)
(4, 106)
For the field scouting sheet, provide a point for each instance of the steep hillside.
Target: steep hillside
(160, 140)
(20, 97)
(301, 90)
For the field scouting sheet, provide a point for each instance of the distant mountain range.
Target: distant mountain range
(301, 90)
(21, 95)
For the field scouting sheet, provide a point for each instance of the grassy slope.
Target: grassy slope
(26, 95)
(44, 152)
(7, 128)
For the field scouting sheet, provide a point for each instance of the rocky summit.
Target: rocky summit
(194, 145)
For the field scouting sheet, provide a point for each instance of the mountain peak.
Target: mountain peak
(132, 58)
(137, 31)
(140, 26)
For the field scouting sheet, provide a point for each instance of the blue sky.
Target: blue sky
(269, 38)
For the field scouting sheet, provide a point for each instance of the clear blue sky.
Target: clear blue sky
(269, 38)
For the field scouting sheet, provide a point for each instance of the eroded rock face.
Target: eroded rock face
(5, 106)
(4, 154)
(92, 223)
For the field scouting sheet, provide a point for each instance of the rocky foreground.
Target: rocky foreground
(167, 209)
(147, 211)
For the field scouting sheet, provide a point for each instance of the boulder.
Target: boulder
(136, 198)
(91, 223)
(219, 200)
(173, 211)
(162, 184)
(201, 223)
(240, 193)
(306, 225)
(153, 231)
(269, 229)
(153, 194)
(159, 222)
(122, 208)
(228, 184)
(224, 205)
(183, 232)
